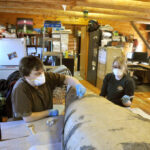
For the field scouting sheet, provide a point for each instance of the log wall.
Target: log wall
(122, 27)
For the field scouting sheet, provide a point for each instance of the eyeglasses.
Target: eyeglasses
(117, 67)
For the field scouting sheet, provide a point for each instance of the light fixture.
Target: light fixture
(64, 7)
(85, 13)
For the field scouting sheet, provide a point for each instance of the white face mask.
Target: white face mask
(118, 73)
(39, 80)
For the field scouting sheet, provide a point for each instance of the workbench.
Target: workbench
(42, 134)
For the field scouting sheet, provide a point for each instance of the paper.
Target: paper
(64, 42)
(14, 129)
(20, 137)
(56, 146)
(56, 46)
(140, 112)
(102, 56)
(15, 144)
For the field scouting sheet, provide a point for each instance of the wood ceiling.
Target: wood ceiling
(120, 10)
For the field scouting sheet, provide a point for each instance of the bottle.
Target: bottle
(66, 54)
(27, 40)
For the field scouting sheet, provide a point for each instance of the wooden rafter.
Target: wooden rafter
(56, 2)
(116, 4)
(71, 14)
(113, 12)
(128, 10)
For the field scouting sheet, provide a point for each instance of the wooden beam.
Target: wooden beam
(56, 2)
(143, 0)
(29, 5)
(110, 4)
(113, 12)
(141, 22)
(140, 35)
(116, 4)
(48, 5)
(53, 12)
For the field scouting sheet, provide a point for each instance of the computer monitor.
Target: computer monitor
(137, 56)
(140, 57)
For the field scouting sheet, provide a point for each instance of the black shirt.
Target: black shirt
(114, 89)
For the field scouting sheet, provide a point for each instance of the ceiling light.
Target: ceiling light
(85, 13)
(64, 7)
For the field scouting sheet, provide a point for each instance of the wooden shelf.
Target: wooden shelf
(51, 39)
(52, 53)
(33, 45)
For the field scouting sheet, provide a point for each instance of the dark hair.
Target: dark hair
(28, 63)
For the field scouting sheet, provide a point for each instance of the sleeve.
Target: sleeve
(21, 103)
(104, 86)
(56, 80)
(129, 87)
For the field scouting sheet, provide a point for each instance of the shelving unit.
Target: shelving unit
(52, 52)
(58, 43)
(33, 41)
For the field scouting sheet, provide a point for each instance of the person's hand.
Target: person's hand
(53, 112)
(80, 89)
(125, 99)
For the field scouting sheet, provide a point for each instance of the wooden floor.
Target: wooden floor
(141, 99)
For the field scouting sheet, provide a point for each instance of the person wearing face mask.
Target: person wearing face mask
(117, 86)
(32, 94)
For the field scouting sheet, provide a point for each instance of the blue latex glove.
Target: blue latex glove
(53, 112)
(80, 89)
(126, 98)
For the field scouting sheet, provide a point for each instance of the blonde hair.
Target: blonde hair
(122, 63)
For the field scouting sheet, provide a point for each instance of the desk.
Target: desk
(145, 66)
(140, 70)
(139, 66)
(17, 136)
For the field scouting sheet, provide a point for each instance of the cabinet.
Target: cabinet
(94, 43)
(106, 57)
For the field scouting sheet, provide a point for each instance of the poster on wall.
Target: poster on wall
(11, 51)
(102, 56)
(64, 42)
(24, 25)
